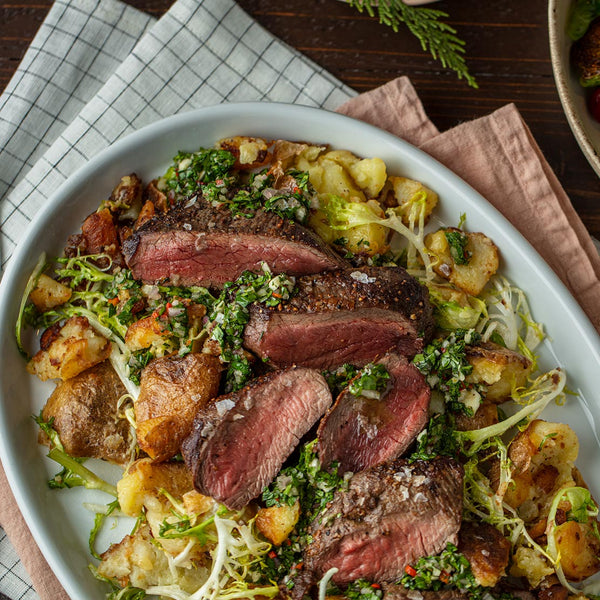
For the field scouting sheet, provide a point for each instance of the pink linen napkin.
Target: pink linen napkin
(499, 158)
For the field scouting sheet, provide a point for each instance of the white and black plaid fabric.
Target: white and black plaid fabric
(98, 70)
(200, 53)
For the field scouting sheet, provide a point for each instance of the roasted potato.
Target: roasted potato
(486, 549)
(49, 293)
(145, 478)
(530, 564)
(75, 347)
(578, 546)
(145, 332)
(500, 369)
(402, 192)
(471, 277)
(277, 522)
(139, 561)
(172, 389)
(84, 409)
(249, 152)
(542, 457)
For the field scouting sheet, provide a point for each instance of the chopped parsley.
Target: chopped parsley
(437, 439)
(313, 488)
(190, 169)
(445, 366)
(338, 379)
(362, 589)
(457, 240)
(230, 314)
(371, 382)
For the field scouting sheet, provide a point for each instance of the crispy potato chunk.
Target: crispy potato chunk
(530, 564)
(403, 191)
(138, 561)
(472, 276)
(485, 415)
(144, 478)
(76, 347)
(277, 522)
(249, 152)
(84, 409)
(500, 369)
(142, 487)
(145, 332)
(579, 550)
(49, 293)
(542, 457)
(486, 549)
(172, 389)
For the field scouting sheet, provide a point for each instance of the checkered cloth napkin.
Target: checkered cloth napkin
(98, 70)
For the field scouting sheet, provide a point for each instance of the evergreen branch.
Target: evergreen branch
(426, 25)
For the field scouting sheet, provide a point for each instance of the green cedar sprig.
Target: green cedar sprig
(435, 35)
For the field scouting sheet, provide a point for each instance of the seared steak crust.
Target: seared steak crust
(343, 316)
(203, 245)
(239, 441)
(361, 432)
(389, 516)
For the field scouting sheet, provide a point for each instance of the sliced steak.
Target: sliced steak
(240, 441)
(343, 316)
(361, 432)
(390, 516)
(202, 245)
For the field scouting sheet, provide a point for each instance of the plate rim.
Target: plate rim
(11, 277)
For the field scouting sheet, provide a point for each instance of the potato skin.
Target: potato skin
(486, 549)
(84, 412)
(172, 389)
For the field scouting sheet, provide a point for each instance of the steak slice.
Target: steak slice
(390, 516)
(203, 245)
(343, 316)
(240, 441)
(361, 432)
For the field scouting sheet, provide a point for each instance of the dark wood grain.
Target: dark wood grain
(507, 51)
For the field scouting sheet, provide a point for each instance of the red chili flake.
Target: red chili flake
(114, 301)
(288, 542)
(219, 181)
(276, 295)
(299, 565)
(169, 305)
(375, 586)
(410, 571)
(296, 190)
(444, 577)
(272, 554)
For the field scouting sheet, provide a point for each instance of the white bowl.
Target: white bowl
(572, 96)
(57, 519)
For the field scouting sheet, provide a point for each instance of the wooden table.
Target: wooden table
(507, 51)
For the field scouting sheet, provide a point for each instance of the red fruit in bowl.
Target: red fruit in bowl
(594, 104)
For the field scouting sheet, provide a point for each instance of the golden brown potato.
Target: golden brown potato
(172, 389)
(126, 198)
(542, 458)
(530, 564)
(472, 276)
(49, 293)
(500, 369)
(579, 550)
(145, 332)
(486, 415)
(145, 478)
(249, 152)
(139, 561)
(84, 410)
(75, 348)
(277, 522)
(486, 549)
(404, 191)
